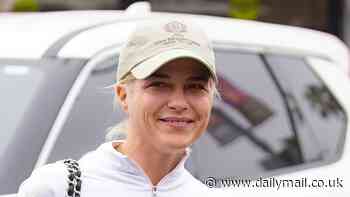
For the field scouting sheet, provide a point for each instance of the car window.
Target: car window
(32, 92)
(274, 114)
(254, 127)
(319, 119)
(91, 115)
(249, 126)
(18, 87)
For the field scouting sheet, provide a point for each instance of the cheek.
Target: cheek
(203, 107)
(148, 105)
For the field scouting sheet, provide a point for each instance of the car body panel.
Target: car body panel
(222, 30)
(19, 32)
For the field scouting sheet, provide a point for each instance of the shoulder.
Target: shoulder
(48, 180)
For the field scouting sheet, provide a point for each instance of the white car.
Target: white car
(283, 117)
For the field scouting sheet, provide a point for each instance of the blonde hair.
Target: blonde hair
(117, 132)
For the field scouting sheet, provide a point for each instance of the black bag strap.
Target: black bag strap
(74, 178)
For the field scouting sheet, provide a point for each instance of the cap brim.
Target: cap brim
(152, 64)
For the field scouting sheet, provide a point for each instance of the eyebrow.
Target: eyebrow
(159, 75)
(203, 77)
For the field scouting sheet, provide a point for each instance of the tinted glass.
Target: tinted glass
(319, 119)
(32, 93)
(250, 125)
(91, 115)
(274, 113)
(18, 86)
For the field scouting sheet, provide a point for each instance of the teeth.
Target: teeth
(176, 121)
(180, 123)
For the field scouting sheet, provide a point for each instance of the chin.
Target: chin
(176, 144)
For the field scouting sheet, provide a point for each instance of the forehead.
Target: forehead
(183, 67)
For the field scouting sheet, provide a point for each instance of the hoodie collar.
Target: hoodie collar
(122, 163)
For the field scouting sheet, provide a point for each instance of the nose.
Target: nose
(178, 101)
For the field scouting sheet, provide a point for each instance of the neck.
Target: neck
(154, 163)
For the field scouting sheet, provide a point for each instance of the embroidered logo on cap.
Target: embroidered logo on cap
(175, 27)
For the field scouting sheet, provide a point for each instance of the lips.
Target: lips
(178, 122)
(177, 119)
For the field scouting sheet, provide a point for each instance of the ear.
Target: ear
(121, 94)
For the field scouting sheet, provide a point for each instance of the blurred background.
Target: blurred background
(326, 15)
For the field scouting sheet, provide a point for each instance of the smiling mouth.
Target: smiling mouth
(177, 122)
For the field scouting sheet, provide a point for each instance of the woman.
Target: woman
(165, 84)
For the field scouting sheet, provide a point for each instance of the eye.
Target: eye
(157, 84)
(197, 86)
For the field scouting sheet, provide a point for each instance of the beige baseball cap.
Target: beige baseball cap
(155, 43)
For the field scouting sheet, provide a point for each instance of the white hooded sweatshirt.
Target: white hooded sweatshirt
(107, 172)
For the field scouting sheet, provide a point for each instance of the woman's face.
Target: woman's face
(170, 109)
